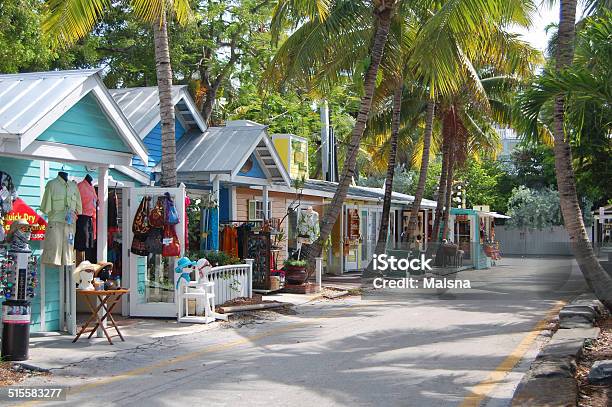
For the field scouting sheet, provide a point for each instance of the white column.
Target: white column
(325, 147)
(265, 202)
(216, 194)
(102, 225)
(426, 227)
(234, 199)
(319, 272)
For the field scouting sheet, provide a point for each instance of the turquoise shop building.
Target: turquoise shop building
(66, 120)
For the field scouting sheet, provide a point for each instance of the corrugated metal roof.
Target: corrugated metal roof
(356, 192)
(219, 149)
(27, 97)
(141, 105)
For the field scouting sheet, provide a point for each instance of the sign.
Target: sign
(462, 218)
(16, 314)
(22, 211)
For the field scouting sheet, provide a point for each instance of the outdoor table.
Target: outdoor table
(107, 300)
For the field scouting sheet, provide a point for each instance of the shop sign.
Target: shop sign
(22, 211)
(16, 314)
(462, 218)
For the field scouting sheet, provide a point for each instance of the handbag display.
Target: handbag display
(153, 242)
(157, 216)
(138, 245)
(171, 243)
(172, 217)
(141, 220)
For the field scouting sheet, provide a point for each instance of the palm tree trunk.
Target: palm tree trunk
(395, 126)
(420, 191)
(383, 22)
(435, 234)
(449, 187)
(594, 274)
(166, 109)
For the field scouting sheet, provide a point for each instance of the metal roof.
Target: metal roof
(31, 102)
(141, 107)
(367, 193)
(224, 150)
(26, 98)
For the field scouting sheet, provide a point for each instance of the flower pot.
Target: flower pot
(295, 274)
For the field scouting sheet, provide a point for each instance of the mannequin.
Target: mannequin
(61, 202)
(86, 222)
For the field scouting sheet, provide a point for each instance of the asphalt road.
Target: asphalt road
(468, 347)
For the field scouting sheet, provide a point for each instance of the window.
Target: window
(256, 210)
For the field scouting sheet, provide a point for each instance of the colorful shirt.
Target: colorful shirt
(89, 198)
(61, 199)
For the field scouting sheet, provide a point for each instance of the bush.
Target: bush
(216, 258)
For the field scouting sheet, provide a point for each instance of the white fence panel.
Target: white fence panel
(550, 241)
(231, 282)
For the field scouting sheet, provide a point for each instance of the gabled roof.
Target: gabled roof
(224, 150)
(141, 107)
(31, 102)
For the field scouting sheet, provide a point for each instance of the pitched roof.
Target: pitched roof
(141, 107)
(224, 150)
(31, 102)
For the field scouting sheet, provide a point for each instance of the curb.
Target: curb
(550, 379)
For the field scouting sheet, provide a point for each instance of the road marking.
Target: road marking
(479, 392)
(188, 356)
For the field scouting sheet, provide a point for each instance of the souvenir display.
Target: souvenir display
(308, 225)
(18, 267)
(154, 229)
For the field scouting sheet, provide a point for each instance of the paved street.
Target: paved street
(464, 348)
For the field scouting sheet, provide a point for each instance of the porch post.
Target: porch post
(215, 219)
(102, 225)
(426, 229)
(265, 202)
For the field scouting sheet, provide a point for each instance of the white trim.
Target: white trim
(278, 161)
(241, 179)
(47, 150)
(248, 153)
(133, 173)
(41, 296)
(125, 130)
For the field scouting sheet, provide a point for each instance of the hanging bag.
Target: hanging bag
(153, 242)
(172, 217)
(172, 245)
(141, 220)
(157, 217)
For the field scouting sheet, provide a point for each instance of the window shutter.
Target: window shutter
(252, 209)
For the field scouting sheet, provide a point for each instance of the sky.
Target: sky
(545, 15)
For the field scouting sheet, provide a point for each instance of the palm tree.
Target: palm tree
(70, 20)
(596, 277)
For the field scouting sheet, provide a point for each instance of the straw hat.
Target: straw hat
(87, 265)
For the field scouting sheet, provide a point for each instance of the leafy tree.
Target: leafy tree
(71, 20)
(534, 208)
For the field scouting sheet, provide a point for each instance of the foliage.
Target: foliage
(534, 208)
(295, 263)
(482, 182)
(216, 258)
(587, 88)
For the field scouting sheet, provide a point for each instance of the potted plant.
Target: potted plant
(295, 271)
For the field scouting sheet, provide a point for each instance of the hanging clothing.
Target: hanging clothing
(61, 201)
(84, 233)
(308, 225)
(230, 241)
(113, 211)
(89, 198)
(59, 244)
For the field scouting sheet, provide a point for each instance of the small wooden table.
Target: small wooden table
(107, 299)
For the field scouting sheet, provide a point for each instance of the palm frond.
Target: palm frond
(70, 20)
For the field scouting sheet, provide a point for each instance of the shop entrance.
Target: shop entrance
(352, 238)
(152, 280)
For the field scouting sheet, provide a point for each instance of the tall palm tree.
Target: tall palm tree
(70, 20)
(594, 274)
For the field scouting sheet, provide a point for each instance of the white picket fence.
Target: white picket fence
(231, 282)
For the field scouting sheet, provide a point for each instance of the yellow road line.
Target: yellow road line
(188, 356)
(479, 392)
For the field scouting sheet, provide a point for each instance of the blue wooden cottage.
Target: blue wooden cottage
(67, 120)
(141, 107)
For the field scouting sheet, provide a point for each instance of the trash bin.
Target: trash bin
(15, 330)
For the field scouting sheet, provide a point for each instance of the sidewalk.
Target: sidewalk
(54, 350)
